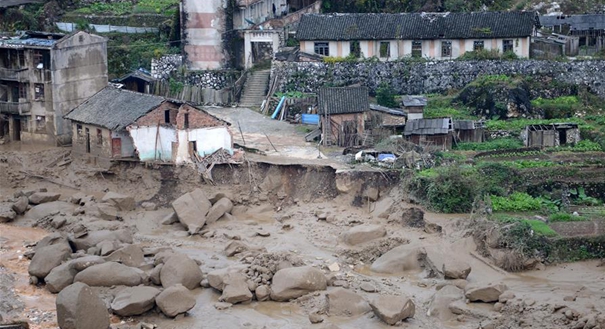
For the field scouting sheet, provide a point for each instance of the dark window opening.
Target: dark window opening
(446, 49)
(39, 91)
(322, 48)
(355, 49)
(478, 45)
(79, 131)
(385, 49)
(21, 55)
(87, 140)
(416, 49)
(23, 90)
(99, 137)
(167, 116)
(186, 123)
(507, 45)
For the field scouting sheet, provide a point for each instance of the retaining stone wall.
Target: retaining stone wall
(407, 77)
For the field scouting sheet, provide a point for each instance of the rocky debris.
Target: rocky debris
(367, 287)
(93, 238)
(130, 255)
(107, 211)
(262, 293)
(170, 219)
(134, 301)
(334, 267)
(110, 274)
(439, 304)
(180, 269)
(175, 300)
(364, 233)
(191, 209)
(392, 309)
(222, 306)
(413, 217)
(82, 263)
(52, 239)
(217, 279)
(486, 294)
(237, 247)
(43, 197)
(47, 258)
(60, 277)
(235, 289)
(107, 247)
(149, 206)
(399, 259)
(7, 214)
(218, 209)
(20, 206)
(343, 302)
(455, 269)
(290, 283)
(47, 210)
(154, 275)
(371, 193)
(214, 197)
(432, 228)
(506, 296)
(120, 201)
(315, 318)
(78, 307)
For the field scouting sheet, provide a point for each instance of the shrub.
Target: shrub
(516, 202)
(565, 217)
(586, 145)
(385, 96)
(495, 144)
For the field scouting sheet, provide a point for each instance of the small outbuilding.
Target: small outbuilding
(342, 114)
(469, 131)
(139, 81)
(551, 135)
(117, 124)
(414, 106)
(430, 133)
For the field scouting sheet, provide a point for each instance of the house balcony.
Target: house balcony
(20, 108)
(19, 75)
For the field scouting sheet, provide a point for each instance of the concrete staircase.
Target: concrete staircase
(255, 89)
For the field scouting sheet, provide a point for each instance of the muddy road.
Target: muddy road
(306, 214)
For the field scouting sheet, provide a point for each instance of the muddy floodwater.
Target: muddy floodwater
(309, 224)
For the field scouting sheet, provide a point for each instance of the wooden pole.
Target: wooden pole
(271, 142)
(241, 133)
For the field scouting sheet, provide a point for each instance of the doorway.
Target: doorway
(87, 140)
(116, 147)
(562, 137)
(16, 129)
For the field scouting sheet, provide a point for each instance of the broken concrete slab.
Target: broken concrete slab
(134, 301)
(364, 233)
(175, 300)
(191, 209)
(78, 307)
(293, 282)
(120, 201)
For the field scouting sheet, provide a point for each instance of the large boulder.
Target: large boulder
(79, 307)
(413, 217)
(47, 258)
(400, 259)
(486, 294)
(392, 309)
(220, 208)
(180, 269)
(7, 214)
(455, 269)
(43, 197)
(191, 209)
(93, 238)
(20, 206)
(364, 233)
(439, 305)
(131, 255)
(343, 302)
(82, 263)
(110, 274)
(175, 300)
(236, 289)
(51, 239)
(60, 277)
(106, 211)
(134, 301)
(120, 201)
(218, 279)
(293, 282)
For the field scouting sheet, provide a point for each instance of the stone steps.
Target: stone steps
(255, 89)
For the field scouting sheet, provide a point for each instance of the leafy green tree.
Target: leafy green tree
(385, 96)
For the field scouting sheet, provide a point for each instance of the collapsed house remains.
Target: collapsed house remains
(117, 124)
(551, 135)
(582, 35)
(42, 77)
(469, 131)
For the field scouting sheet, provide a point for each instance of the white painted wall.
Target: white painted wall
(145, 142)
(208, 140)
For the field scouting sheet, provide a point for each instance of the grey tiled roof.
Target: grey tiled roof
(464, 124)
(114, 108)
(576, 22)
(387, 110)
(343, 100)
(427, 127)
(410, 100)
(416, 26)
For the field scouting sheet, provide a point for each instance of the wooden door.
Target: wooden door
(116, 147)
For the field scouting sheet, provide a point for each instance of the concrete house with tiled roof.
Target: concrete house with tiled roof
(342, 112)
(117, 124)
(429, 35)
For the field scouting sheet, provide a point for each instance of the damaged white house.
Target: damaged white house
(117, 124)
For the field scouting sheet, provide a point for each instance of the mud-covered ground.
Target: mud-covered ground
(274, 199)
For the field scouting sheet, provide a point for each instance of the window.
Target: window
(39, 91)
(40, 123)
(446, 49)
(355, 49)
(38, 59)
(416, 49)
(477, 45)
(21, 55)
(385, 49)
(79, 131)
(186, 123)
(507, 45)
(167, 116)
(23, 90)
(99, 137)
(322, 48)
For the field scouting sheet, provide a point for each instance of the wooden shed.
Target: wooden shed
(431, 133)
(551, 135)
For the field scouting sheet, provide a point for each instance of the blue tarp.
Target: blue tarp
(382, 157)
(310, 119)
